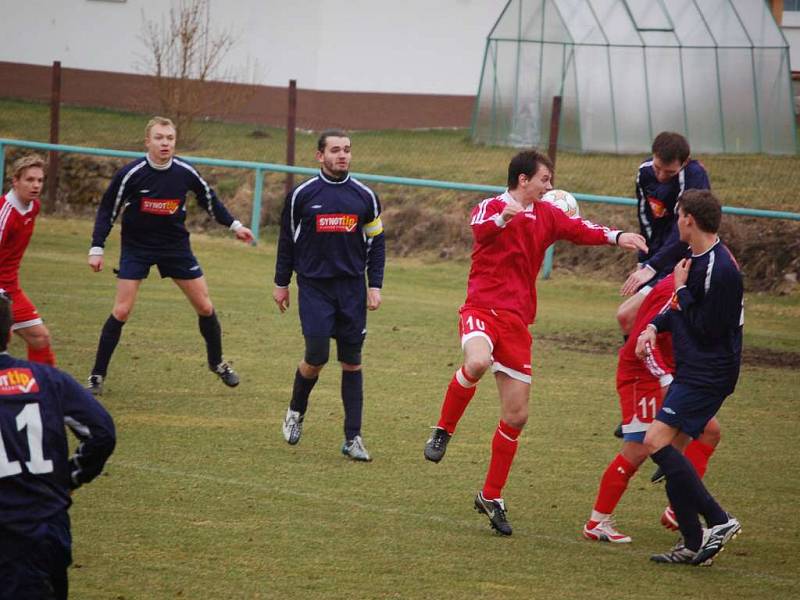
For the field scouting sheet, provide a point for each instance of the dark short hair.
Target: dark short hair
(670, 146)
(704, 207)
(323, 137)
(6, 321)
(526, 163)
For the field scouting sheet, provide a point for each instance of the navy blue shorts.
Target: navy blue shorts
(135, 264)
(689, 408)
(335, 307)
(36, 567)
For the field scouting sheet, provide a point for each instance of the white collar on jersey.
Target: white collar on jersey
(710, 248)
(158, 167)
(507, 197)
(14, 200)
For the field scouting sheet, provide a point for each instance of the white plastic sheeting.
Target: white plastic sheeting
(715, 70)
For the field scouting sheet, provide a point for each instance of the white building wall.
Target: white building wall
(409, 46)
(791, 31)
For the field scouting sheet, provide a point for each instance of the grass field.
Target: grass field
(752, 181)
(203, 499)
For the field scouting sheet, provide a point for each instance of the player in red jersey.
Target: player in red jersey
(641, 385)
(511, 233)
(18, 210)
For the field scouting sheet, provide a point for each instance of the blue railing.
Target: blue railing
(261, 168)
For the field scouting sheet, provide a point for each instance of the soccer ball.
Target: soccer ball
(563, 200)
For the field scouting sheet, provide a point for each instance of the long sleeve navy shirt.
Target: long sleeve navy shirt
(331, 228)
(36, 472)
(152, 201)
(657, 212)
(706, 322)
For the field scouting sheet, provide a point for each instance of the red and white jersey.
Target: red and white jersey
(659, 363)
(506, 257)
(16, 229)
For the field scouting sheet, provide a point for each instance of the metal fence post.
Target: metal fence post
(2, 165)
(291, 133)
(55, 119)
(552, 151)
(255, 219)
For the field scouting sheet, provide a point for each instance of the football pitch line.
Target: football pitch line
(350, 503)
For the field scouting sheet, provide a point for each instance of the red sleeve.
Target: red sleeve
(485, 220)
(658, 359)
(5, 213)
(655, 360)
(576, 230)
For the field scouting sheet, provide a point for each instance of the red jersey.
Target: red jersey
(659, 363)
(16, 229)
(506, 257)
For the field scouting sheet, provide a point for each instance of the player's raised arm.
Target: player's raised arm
(491, 216)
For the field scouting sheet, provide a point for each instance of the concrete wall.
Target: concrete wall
(791, 31)
(410, 47)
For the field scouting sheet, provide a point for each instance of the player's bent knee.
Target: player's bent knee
(38, 339)
(711, 433)
(517, 418)
(477, 366)
(309, 371)
(350, 367)
(205, 309)
(122, 313)
(624, 319)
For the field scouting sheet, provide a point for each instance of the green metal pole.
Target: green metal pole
(548, 262)
(255, 220)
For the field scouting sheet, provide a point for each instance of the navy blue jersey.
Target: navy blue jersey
(706, 319)
(152, 201)
(658, 212)
(36, 471)
(330, 229)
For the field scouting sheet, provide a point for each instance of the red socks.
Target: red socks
(698, 454)
(460, 391)
(613, 484)
(504, 447)
(42, 355)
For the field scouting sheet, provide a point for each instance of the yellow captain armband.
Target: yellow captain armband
(374, 228)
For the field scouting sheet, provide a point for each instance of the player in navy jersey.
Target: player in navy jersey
(641, 385)
(150, 195)
(660, 182)
(331, 234)
(37, 476)
(705, 321)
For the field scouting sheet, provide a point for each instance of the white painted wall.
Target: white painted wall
(400, 46)
(791, 31)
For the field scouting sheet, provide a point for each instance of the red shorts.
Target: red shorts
(23, 311)
(508, 337)
(639, 399)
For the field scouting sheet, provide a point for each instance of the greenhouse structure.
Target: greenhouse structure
(715, 70)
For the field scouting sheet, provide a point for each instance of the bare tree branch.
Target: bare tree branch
(183, 53)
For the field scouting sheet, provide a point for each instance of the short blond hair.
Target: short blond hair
(158, 121)
(26, 162)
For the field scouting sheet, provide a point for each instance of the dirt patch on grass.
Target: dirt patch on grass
(597, 344)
